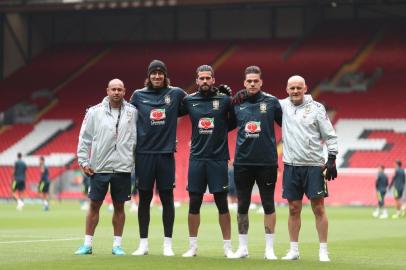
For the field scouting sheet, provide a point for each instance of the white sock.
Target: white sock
(294, 246)
(243, 240)
(227, 244)
(167, 241)
(144, 242)
(45, 202)
(117, 241)
(269, 237)
(88, 240)
(19, 201)
(323, 247)
(193, 241)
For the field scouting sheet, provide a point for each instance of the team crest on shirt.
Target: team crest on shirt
(206, 125)
(167, 99)
(252, 129)
(262, 107)
(307, 110)
(216, 104)
(157, 117)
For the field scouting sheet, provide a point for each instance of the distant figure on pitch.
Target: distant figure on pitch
(398, 184)
(381, 186)
(18, 186)
(43, 186)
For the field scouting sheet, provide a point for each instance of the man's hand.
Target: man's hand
(225, 89)
(330, 167)
(240, 97)
(87, 170)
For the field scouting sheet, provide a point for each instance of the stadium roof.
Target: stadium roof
(55, 5)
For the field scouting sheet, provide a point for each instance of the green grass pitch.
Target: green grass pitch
(34, 239)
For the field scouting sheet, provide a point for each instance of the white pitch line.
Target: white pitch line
(41, 240)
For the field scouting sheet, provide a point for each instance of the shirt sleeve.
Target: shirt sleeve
(231, 118)
(85, 139)
(182, 104)
(327, 131)
(278, 113)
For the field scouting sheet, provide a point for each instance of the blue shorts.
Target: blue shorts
(232, 191)
(159, 168)
(299, 180)
(120, 186)
(211, 173)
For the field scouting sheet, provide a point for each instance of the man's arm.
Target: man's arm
(327, 131)
(85, 141)
(182, 110)
(231, 118)
(278, 112)
(328, 134)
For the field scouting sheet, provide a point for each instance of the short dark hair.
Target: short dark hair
(203, 68)
(399, 163)
(19, 155)
(253, 70)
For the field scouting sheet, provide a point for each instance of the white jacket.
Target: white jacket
(304, 130)
(108, 154)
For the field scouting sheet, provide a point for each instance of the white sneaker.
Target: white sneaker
(240, 253)
(270, 255)
(168, 251)
(376, 213)
(323, 256)
(291, 255)
(228, 253)
(384, 215)
(141, 251)
(192, 252)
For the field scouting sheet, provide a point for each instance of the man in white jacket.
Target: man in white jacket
(108, 135)
(305, 128)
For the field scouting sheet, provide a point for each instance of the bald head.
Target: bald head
(115, 91)
(296, 88)
(296, 78)
(115, 82)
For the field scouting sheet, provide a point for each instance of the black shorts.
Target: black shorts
(245, 177)
(43, 187)
(211, 173)
(120, 186)
(159, 168)
(397, 193)
(299, 180)
(381, 197)
(18, 185)
(232, 191)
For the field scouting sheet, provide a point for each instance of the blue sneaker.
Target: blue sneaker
(118, 251)
(84, 250)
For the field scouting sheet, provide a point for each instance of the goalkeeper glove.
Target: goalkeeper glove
(241, 96)
(225, 89)
(331, 169)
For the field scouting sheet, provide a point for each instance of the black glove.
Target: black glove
(241, 96)
(225, 89)
(331, 169)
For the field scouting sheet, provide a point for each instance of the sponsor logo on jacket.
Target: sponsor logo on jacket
(252, 129)
(157, 117)
(206, 125)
